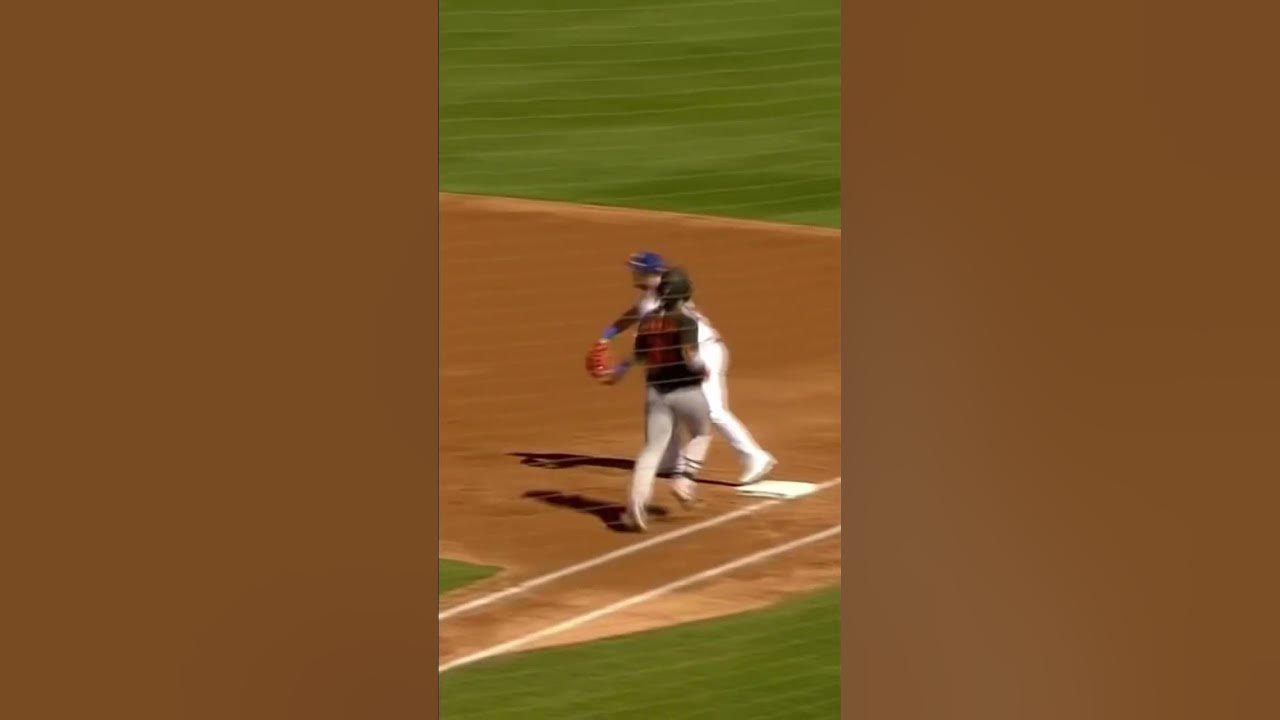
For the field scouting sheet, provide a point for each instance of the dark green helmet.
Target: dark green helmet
(675, 287)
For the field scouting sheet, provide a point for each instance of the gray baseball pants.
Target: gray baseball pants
(664, 412)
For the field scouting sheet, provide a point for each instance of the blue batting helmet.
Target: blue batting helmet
(647, 262)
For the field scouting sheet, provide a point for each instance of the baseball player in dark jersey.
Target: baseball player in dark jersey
(667, 345)
(647, 269)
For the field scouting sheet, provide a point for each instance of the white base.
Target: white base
(780, 489)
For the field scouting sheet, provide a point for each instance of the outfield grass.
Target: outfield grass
(723, 107)
(454, 574)
(783, 662)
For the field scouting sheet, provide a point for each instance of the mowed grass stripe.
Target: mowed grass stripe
(558, 47)
(667, 108)
(641, 108)
(642, 57)
(816, 140)
(782, 662)
(616, 128)
(694, 176)
(705, 96)
(707, 77)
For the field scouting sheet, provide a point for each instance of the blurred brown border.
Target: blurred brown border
(1062, 376)
(221, 314)
(1061, 363)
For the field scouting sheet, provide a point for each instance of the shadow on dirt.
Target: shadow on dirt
(609, 513)
(561, 461)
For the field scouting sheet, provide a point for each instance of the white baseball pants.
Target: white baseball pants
(716, 356)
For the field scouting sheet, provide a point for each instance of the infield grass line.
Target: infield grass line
(716, 21)
(522, 204)
(573, 622)
(615, 554)
(544, 11)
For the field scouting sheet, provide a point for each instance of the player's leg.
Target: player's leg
(691, 412)
(716, 391)
(757, 462)
(659, 424)
(671, 463)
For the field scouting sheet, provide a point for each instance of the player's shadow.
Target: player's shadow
(609, 513)
(561, 461)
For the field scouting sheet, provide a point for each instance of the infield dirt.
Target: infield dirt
(535, 457)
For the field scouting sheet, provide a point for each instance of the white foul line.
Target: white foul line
(614, 554)
(637, 599)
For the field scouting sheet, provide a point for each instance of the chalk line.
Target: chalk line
(615, 554)
(637, 599)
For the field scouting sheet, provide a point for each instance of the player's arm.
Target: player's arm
(628, 318)
(600, 348)
(621, 369)
(619, 372)
(638, 356)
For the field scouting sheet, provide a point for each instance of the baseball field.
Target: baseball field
(574, 133)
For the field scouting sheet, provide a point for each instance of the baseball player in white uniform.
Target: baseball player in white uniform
(647, 269)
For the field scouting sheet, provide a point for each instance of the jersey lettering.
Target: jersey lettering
(661, 341)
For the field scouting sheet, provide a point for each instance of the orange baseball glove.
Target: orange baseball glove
(600, 362)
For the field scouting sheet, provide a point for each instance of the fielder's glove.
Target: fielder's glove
(600, 363)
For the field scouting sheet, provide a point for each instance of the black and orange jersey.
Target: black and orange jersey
(660, 342)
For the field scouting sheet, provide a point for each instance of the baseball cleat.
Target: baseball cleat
(634, 523)
(688, 503)
(685, 493)
(758, 468)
